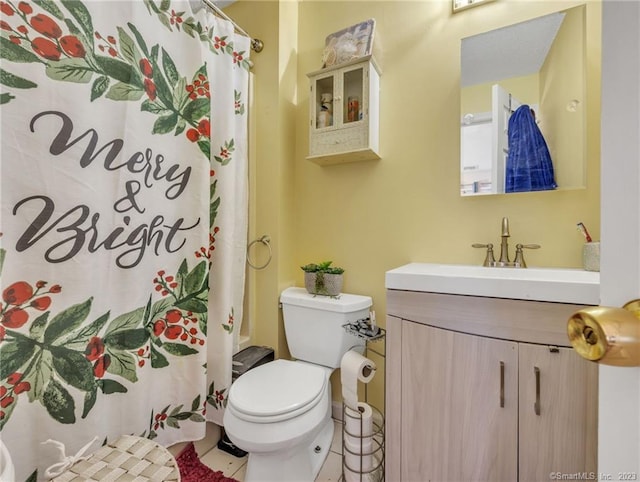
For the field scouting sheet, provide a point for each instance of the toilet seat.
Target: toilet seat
(277, 391)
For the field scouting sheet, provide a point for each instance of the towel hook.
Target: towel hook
(264, 239)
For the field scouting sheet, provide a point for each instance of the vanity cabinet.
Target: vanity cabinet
(344, 112)
(485, 389)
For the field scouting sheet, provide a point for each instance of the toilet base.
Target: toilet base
(298, 464)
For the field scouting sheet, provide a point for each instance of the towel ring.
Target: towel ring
(264, 239)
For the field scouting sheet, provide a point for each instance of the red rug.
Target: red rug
(192, 470)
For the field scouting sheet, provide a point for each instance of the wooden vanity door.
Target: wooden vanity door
(558, 412)
(459, 406)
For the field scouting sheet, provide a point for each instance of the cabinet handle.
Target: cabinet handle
(536, 406)
(501, 384)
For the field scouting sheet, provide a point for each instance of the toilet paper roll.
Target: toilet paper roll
(358, 441)
(353, 368)
(610, 336)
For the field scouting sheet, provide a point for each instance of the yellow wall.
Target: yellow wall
(372, 216)
(477, 98)
(562, 83)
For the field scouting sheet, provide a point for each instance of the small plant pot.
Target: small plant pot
(323, 283)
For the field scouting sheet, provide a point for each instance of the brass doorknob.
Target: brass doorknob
(610, 336)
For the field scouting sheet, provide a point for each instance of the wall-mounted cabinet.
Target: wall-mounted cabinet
(344, 113)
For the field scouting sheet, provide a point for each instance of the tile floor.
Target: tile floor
(235, 467)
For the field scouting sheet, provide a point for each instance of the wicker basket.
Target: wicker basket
(128, 459)
(325, 284)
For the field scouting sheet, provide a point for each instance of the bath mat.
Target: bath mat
(193, 470)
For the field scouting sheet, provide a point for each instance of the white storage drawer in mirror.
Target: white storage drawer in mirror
(344, 112)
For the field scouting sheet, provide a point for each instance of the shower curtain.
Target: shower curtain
(124, 217)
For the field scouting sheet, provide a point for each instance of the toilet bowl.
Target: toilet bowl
(280, 412)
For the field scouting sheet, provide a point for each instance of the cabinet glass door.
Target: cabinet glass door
(325, 94)
(352, 104)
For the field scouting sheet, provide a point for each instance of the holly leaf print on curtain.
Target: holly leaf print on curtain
(60, 354)
(120, 66)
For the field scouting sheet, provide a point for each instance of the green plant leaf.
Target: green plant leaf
(205, 148)
(126, 321)
(164, 5)
(81, 14)
(153, 107)
(172, 422)
(36, 329)
(178, 350)
(189, 29)
(165, 124)
(14, 354)
(67, 320)
(139, 39)
(111, 386)
(164, 20)
(80, 338)
(5, 98)
(182, 416)
(196, 417)
(213, 211)
(70, 70)
(51, 7)
(41, 375)
(127, 339)
(202, 323)
(195, 279)
(58, 402)
(192, 304)
(195, 405)
(122, 91)
(73, 368)
(180, 127)
(158, 360)
(128, 47)
(120, 71)
(90, 399)
(16, 53)
(122, 364)
(99, 87)
(169, 68)
(11, 80)
(197, 109)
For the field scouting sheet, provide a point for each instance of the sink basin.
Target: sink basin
(562, 285)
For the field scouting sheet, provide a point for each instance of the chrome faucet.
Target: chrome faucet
(504, 261)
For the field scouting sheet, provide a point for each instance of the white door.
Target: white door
(502, 105)
(619, 407)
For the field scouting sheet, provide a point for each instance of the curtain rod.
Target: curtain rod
(256, 44)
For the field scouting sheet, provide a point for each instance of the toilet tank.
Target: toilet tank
(313, 325)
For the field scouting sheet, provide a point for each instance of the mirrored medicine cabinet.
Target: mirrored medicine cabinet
(541, 63)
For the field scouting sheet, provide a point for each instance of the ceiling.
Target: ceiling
(508, 52)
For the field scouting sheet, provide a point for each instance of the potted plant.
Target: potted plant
(323, 279)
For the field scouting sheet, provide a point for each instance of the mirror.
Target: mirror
(539, 63)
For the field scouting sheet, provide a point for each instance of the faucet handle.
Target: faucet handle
(489, 260)
(519, 261)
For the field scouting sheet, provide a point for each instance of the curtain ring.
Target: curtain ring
(264, 240)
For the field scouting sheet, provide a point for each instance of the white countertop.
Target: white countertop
(562, 285)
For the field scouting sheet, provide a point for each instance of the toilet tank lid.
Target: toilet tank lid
(344, 303)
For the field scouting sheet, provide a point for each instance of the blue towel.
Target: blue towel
(529, 165)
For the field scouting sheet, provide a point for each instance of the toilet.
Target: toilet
(280, 412)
